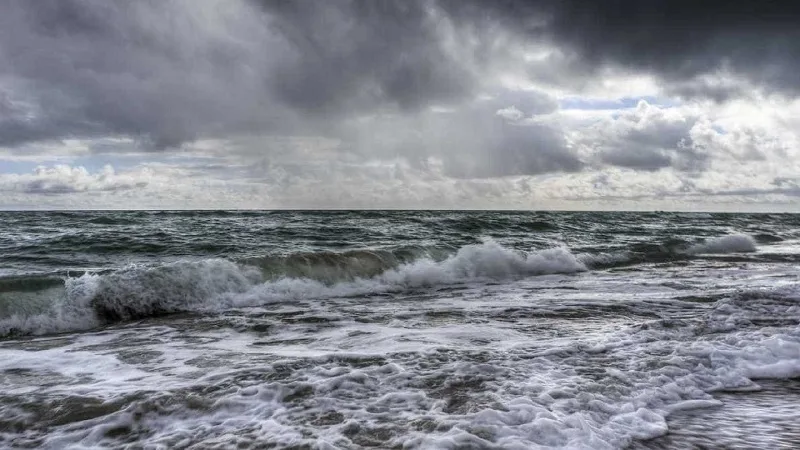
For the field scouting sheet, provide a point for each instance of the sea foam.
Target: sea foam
(732, 243)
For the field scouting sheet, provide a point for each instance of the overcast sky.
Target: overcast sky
(551, 104)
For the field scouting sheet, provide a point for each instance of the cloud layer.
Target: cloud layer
(378, 104)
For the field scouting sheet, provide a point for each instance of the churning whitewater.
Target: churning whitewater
(420, 330)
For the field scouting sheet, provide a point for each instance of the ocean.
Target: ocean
(399, 330)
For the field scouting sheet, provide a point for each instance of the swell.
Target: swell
(29, 283)
(487, 223)
(138, 291)
(728, 247)
(333, 267)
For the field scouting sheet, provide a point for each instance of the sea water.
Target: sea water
(399, 329)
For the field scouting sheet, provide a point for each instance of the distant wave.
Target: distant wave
(113, 220)
(734, 243)
(138, 292)
(670, 251)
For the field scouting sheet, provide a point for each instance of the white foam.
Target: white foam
(733, 243)
(70, 311)
(594, 391)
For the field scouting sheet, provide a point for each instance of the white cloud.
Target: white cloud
(64, 179)
(511, 113)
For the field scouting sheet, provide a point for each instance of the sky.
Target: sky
(430, 104)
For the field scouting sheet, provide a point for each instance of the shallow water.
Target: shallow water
(399, 330)
(762, 418)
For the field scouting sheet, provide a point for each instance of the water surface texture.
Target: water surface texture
(406, 330)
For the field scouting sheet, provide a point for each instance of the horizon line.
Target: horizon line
(696, 211)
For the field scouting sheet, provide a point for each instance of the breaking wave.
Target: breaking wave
(138, 292)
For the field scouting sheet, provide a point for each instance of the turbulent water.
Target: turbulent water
(414, 330)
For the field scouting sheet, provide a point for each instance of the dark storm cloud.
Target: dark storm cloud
(678, 41)
(151, 70)
(174, 71)
(699, 88)
(364, 53)
(673, 39)
(488, 145)
(477, 142)
(681, 39)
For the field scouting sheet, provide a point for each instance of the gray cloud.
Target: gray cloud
(650, 138)
(655, 148)
(44, 187)
(643, 158)
(475, 141)
(501, 148)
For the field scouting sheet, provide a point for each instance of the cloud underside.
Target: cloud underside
(457, 91)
